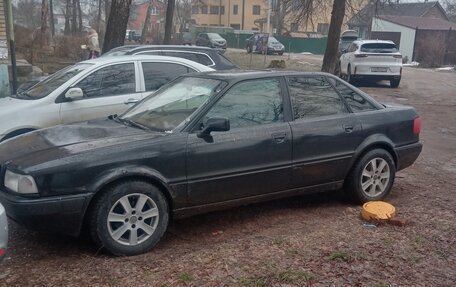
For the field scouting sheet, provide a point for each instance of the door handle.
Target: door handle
(348, 128)
(131, 101)
(279, 138)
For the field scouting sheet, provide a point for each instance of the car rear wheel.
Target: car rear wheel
(129, 218)
(349, 76)
(372, 176)
(280, 53)
(395, 83)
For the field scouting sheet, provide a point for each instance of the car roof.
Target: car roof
(118, 59)
(176, 47)
(236, 75)
(373, 41)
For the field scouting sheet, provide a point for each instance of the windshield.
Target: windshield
(379, 48)
(48, 85)
(273, 40)
(174, 104)
(215, 36)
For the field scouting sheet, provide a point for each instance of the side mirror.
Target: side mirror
(215, 124)
(74, 94)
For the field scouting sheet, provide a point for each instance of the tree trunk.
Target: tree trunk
(79, 15)
(44, 22)
(51, 17)
(117, 24)
(330, 59)
(74, 11)
(99, 17)
(169, 21)
(67, 17)
(146, 25)
(107, 10)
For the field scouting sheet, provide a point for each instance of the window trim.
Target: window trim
(180, 51)
(253, 10)
(61, 97)
(141, 71)
(192, 126)
(349, 111)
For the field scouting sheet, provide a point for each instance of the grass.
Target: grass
(294, 276)
(341, 256)
(276, 275)
(185, 277)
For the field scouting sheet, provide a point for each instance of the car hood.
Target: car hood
(69, 143)
(10, 103)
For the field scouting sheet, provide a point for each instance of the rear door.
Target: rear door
(253, 157)
(109, 90)
(325, 133)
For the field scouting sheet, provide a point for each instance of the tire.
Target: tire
(280, 53)
(395, 83)
(372, 177)
(114, 233)
(338, 71)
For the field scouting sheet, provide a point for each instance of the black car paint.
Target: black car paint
(72, 163)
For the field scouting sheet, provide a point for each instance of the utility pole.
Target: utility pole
(243, 13)
(269, 17)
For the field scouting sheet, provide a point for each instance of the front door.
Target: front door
(109, 90)
(250, 159)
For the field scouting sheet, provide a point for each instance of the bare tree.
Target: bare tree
(67, 17)
(44, 22)
(27, 13)
(117, 24)
(169, 21)
(79, 15)
(183, 12)
(331, 52)
(146, 25)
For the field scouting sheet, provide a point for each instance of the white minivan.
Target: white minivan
(88, 90)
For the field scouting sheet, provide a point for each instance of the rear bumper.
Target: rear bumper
(60, 214)
(365, 71)
(407, 155)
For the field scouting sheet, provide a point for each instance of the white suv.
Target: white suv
(371, 59)
(89, 90)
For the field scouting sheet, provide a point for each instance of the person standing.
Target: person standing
(92, 44)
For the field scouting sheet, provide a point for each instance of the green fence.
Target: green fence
(295, 45)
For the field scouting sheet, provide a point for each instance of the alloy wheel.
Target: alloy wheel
(375, 177)
(133, 219)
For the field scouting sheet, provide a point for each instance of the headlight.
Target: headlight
(20, 183)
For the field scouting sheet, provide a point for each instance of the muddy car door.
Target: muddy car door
(253, 157)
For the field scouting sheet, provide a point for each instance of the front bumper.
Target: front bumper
(407, 155)
(60, 214)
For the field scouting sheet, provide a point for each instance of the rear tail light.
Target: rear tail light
(417, 125)
(360, 56)
(397, 56)
(2, 252)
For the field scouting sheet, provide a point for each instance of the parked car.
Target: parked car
(273, 45)
(187, 38)
(3, 232)
(372, 59)
(206, 141)
(206, 56)
(211, 40)
(346, 38)
(89, 90)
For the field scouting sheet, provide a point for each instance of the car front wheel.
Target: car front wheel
(129, 218)
(372, 176)
(395, 83)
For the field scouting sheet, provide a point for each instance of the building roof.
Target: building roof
(422, 23)
(376, 8)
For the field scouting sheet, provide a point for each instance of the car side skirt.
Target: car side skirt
(189, 211)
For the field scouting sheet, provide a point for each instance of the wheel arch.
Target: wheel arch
(371, 143)
(18, 132)
(113, 177)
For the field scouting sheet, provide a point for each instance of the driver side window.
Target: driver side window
(109, 81)
(250, 103)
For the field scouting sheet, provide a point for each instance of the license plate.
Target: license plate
(379, 69)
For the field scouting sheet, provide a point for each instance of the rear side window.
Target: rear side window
(184, 55)
(150, 53)
(158, 74)
(314, 97)
(109, 81)
(379, 48)
(356, 102)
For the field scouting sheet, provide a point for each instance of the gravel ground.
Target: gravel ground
(316, 240)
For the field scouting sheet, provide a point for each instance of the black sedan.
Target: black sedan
(204, 142)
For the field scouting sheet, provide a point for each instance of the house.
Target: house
(238, 14)
(362, 21)
(138, 14)
(418, 38)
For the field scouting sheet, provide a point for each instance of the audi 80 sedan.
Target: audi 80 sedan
(203, 142)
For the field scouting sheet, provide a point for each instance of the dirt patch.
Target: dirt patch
(316, 240)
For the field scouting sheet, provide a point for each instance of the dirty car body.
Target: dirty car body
(210, 141)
